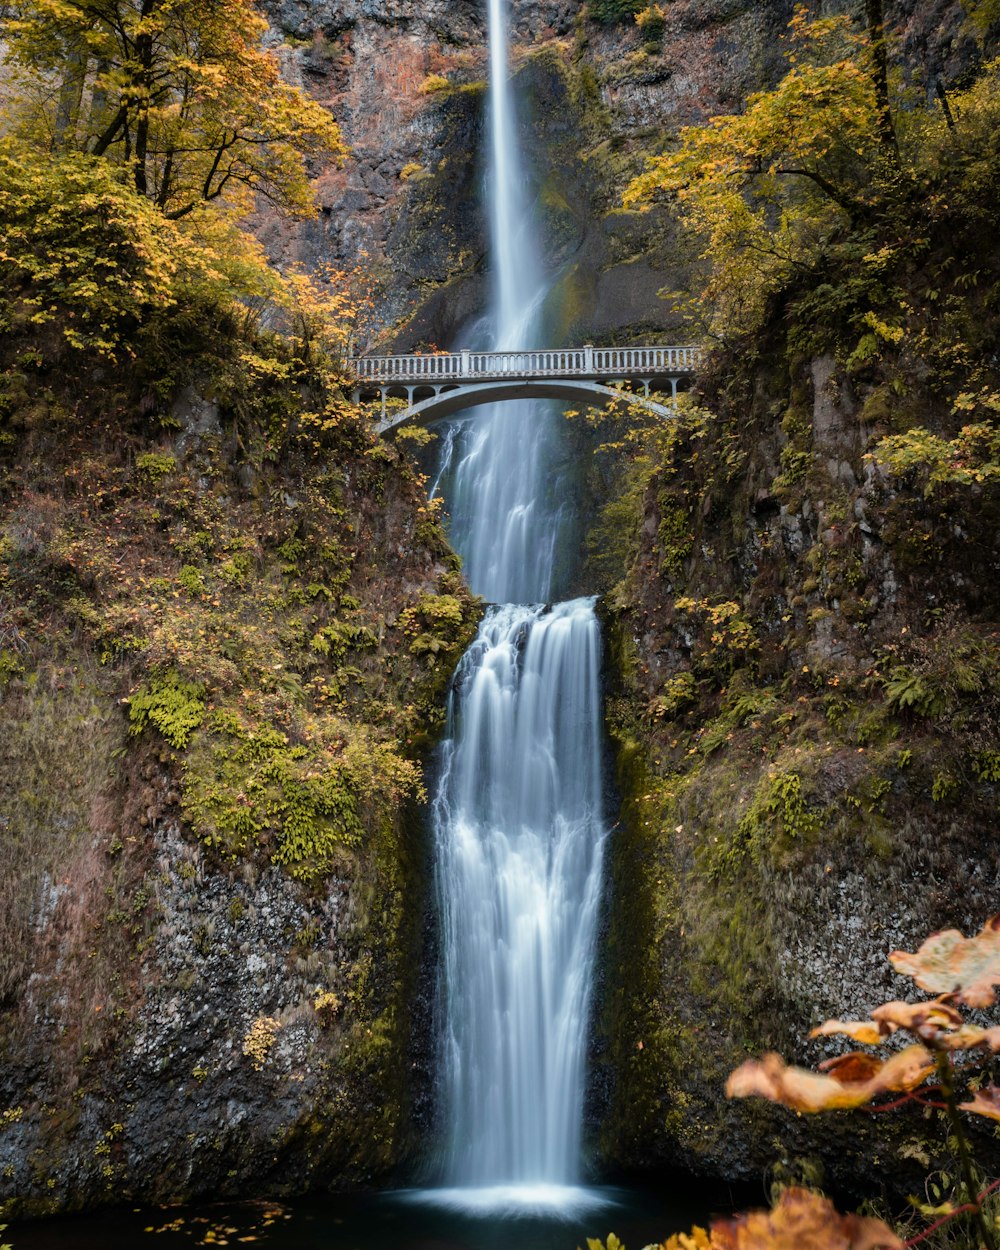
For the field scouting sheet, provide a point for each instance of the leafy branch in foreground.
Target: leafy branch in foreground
(800, 1220)
(961, 972)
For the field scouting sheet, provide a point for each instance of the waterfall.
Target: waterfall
(518, 826)
(516, 814)
(497, 485)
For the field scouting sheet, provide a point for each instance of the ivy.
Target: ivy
(970, 459)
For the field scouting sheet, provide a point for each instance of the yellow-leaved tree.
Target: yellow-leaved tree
(178, 91)
(139, 134)
(765, 188)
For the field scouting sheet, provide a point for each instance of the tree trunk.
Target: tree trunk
(70, 95)
(880, 79)
(144, 52)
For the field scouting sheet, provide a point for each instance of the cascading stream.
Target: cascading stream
(518, 824)
(517, 815)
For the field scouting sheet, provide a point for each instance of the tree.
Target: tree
(178, 91)
(767, 187)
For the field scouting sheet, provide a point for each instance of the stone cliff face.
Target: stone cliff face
(208, 1056)
(407, 84)
(787, 821)
(212, 914)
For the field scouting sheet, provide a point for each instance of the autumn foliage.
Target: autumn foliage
(800, 1220)
(826, 180)
(962, 972)
(137, 137)
(177, 92)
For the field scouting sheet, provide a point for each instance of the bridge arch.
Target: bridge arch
(457, 398)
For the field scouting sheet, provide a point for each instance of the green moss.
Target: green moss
(675, 537)
(777, 814)
(154, 466)
(170, 704)
(613, 12)
(192, 580)
(11, 665)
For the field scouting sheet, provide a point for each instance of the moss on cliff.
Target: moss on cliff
(806, 711)
(228, 618)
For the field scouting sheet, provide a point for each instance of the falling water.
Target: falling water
(519, 828)
(502, 456)
(517, 812)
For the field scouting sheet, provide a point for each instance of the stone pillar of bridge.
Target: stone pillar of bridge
(465, 362)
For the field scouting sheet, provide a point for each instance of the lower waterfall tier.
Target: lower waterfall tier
(519, 830)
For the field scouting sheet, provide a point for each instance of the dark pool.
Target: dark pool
(401, 1220)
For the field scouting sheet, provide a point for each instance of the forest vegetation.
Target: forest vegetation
(845, 436)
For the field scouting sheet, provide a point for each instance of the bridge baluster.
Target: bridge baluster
(617, 364)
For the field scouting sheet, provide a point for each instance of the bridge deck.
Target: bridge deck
(570, 362)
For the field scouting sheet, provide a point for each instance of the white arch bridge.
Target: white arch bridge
(444, 383)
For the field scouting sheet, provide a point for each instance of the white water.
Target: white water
(517, 815)
(518, 824)
(498, 474)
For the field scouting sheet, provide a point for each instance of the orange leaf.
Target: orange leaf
(948, 963)
(802, 1221)
(857, 1030)
(984, 1102)
(851, 1068)
(855, 1080)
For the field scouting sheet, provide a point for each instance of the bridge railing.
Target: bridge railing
(589, 362)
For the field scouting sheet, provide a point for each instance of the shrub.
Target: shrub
(610, 12)
(652, 21)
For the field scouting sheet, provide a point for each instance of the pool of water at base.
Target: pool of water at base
(395, 1220)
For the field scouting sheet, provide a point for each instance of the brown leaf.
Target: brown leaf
(971, 1037)
(948, 963)
(930, 1020)
(802, 1221)
(847, 1086)
(984, 1102)
(851, 1068)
